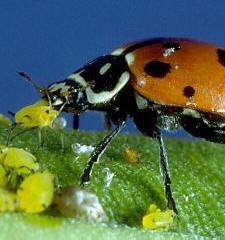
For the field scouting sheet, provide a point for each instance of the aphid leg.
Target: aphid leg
(107, 123)
(62, 140)
(10, 137)
(76, 121)
(164, 169)
(98, 151)
(40, 138)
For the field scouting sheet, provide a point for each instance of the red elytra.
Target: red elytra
(179, 72)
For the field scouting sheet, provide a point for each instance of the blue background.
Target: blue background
(50, 39)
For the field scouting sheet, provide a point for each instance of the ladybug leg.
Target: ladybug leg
(76, 121)
(164, 169)
(107, 123)
(209, 134)
(199, 128)
(150, 129)
(98, 151)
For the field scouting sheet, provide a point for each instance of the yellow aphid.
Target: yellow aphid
(36, 115)
(4, 120)
(8, 201)
(19, 159)
(3, 177)
(131, 155)
(36, 192)
(156, 219)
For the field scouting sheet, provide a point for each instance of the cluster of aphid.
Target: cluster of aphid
(24, 188)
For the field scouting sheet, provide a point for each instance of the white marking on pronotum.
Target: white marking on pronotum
(129, 58)
(104, 96)
(78, 79)
(118, 52)
(105, 68)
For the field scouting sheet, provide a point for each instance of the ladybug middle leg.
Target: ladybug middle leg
(146, 123)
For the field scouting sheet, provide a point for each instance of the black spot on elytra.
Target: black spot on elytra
(189, 91)
(169, 45)
(157, 69)
(221, 56)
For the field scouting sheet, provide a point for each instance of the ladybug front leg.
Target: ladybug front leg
(98, 151)
(107, 123)
(76, 122)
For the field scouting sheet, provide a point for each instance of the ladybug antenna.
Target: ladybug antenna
(29, 79)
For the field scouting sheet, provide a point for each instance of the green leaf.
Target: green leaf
(197, 173)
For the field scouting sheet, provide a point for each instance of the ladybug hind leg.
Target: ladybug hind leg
(202, 128)
(146, 123)
(164, 169)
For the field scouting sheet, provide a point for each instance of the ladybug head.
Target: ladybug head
(93, 86)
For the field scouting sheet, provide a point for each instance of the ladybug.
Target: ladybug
(162, 83)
